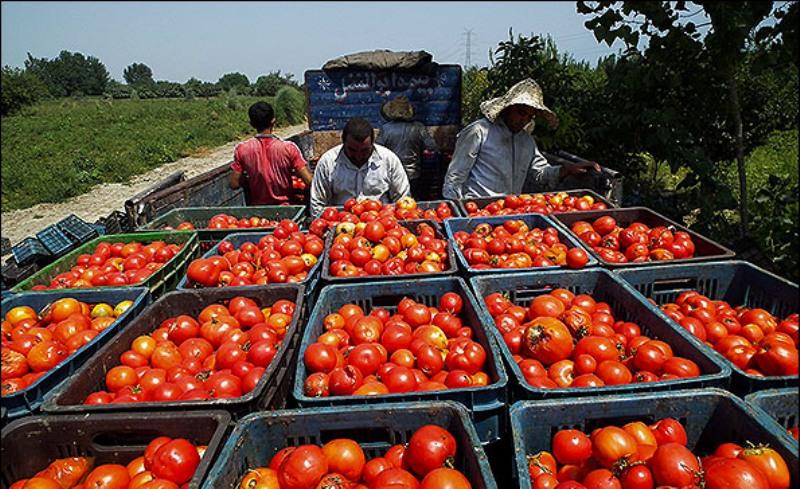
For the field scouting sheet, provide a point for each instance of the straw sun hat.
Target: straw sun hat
(527, 92)
(398, 109)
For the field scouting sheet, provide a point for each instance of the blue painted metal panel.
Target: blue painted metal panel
(336, 96)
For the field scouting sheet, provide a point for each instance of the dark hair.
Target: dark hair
(359, 129)
(261, 115)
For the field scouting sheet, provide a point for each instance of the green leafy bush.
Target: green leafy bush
(20, 89)
(289, 106)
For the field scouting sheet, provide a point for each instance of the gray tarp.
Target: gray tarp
(382, 60)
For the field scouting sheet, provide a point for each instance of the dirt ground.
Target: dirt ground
(102, 199)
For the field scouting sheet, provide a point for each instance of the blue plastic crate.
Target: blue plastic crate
(467, 224)
(705, 248)
(77, 230)
(486, 403)
(603, 286)
(411, 225)
(28, 251)
(710, 416)
(28, 400)
(259, 436)
(238, 239)
(482, 202)
(271, 391)
(32, 443)
(55, 241)
(780, 405)
(738, 283)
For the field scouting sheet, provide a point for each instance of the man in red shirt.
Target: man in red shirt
(264, 164)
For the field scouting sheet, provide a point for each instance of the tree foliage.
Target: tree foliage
(20, 89)
(229, 81)
(474, 85)
(268, 85)
(692, 83)
(138, 74)
(289, 106)
(70, 74)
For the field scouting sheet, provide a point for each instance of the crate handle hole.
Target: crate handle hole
(362, 435)
(388, 301)
(125, 440)
(677, 284)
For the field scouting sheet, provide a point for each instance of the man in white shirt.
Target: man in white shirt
(358, 168)
(495, 155)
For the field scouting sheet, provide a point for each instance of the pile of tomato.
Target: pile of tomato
(567, 340)
(752, 339)
(222, 353)
(167, 463)
(33, 343)
(419, 348)
(367, 210)
(114, 264)
(514, 244)
(423, 463)
(386, 247)
(534, 204)
(286, 255)
(638, 455)
(635, 243)
(224, 221)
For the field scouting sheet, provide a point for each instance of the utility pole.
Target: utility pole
(468, 50)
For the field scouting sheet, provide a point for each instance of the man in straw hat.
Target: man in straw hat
(494, 155)
(407, 138)
(357, 169)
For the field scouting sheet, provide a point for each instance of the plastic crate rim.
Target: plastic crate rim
(502, 376)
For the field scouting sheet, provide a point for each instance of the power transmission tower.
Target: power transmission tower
(468, 49)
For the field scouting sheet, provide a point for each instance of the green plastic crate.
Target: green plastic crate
(199, 217)
(163, 280)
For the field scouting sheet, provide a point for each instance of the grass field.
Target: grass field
(61, 148)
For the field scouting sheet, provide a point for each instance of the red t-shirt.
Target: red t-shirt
(269, 164)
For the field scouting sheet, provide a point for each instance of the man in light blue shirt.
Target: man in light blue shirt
(358, 169)
(495, 155)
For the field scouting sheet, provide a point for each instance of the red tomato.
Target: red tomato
(429, 448)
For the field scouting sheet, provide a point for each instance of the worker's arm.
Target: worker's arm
(235, 180)
(398, 179)
(468, 144)
(428, 143)
(299, 163)
(305, 175)
(321, 193)
(542, 175)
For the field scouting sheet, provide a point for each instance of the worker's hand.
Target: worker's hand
(579, 168)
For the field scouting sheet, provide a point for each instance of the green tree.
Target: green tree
(138, 74)
(698, 87)
(568, 86)
(474, 85)
(70, 74)
(289, 106)
(268, 85)
(20, 89)
(233, 80)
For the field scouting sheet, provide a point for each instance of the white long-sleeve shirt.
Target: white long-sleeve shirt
(489, 161)
(337, 179)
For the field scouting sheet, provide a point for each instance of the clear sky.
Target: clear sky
(178, 40)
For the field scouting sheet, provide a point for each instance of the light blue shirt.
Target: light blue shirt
(489, 161)
(337, 179)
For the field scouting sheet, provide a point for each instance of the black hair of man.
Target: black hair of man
(261, 115)
(359, 129)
